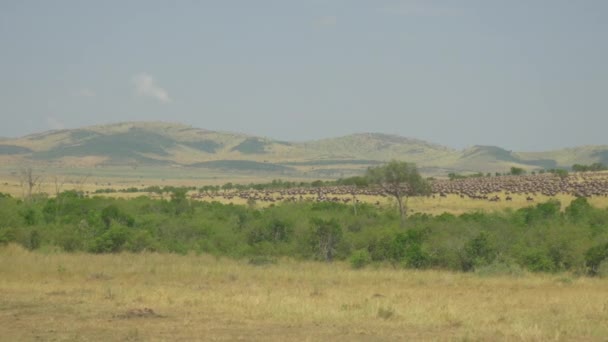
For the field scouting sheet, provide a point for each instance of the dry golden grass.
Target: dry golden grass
(10, 184)
(75, 297)
(452, 204)
(455, 205)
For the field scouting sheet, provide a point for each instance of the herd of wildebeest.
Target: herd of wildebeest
(494, 189)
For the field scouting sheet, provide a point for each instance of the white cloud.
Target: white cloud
(326, 21)
(145, 85)
(53, 123)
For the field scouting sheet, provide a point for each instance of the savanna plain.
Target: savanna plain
(76, 268)
(51, 295)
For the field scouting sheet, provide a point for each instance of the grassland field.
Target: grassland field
(51, 295)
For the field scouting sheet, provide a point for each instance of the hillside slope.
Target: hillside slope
(167, 144)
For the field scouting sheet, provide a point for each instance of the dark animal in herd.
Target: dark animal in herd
(587, 184)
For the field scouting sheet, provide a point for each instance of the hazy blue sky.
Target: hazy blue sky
(524, 75)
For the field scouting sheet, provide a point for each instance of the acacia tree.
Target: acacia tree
(400, 180)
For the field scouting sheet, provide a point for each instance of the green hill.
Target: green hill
(12, 149)
(167, 144)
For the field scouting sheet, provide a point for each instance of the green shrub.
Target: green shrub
(112, 213)
(538, 260)
(7, 235)
(111, 241)
(70, 243)
(360, 259)
(578, 209)
(539, 238)
(141, 240)
(594, 258)
(406, 249)
(478, 252)
(29, 216)
(273, 231)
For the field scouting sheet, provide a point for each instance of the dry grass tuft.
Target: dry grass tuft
(138, 313)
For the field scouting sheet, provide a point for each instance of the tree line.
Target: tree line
(540, 238)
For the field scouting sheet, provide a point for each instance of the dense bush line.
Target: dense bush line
(542, 238)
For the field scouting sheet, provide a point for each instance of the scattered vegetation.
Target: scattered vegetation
(540, 238)
(454, 175)
(587, 168)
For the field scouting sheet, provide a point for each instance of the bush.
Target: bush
(273, 231)
(111, 214)
(70, 243)
(539, 238)
(478, 252)
(541, 212)
(112, 241)
(416, 257)
(594, 257)
(578, 209)
(406, 249)
(29, 216)
(538, 260)
(140, 241)
(517, 171)
(7, 235)
(360, 259)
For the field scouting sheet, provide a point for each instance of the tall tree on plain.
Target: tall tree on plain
(400, 180)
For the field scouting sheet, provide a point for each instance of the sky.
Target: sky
(526, 75)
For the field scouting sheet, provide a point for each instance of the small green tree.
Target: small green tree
(594, 257)
(227, 186)
(400, 180)
(517, 171)
(180, 201)
(579, 209)
(360, 259)
(561, 173)
(478, 252)
(112, 213)
(406, 248)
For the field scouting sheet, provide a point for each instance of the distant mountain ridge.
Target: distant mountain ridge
(168, 144)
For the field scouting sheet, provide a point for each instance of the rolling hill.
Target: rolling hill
(157, 144)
